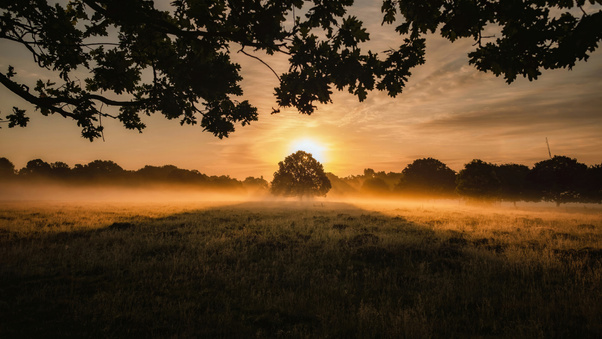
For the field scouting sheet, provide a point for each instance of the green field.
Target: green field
(291, 269)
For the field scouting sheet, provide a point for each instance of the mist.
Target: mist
(184, 196)
(53, 191)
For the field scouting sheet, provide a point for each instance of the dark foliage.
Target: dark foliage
(593, 188)
(7, 169)
(560, 179)
(36, 168)
(107, 172)
(60, 170)
(136, 59)
(514, 185)
(300, 175)
(375, 185)
(256, 183)
(478, 180)
(427, 176)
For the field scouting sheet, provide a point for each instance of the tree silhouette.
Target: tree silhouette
(36, 168)
(100, 170)
(478, 180)
(340, 186)
(7, 169)
(513, 182)
(369, 173)
(256, 184)
(300, 175)
(375, 186)
(60, 170)
(135, 59)
(593, 189)
(428, 176)
(560, 179)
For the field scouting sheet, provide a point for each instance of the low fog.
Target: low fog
(191, 196)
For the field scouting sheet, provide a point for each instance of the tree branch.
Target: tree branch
(49, 102)
(171, 28)
(110, 102)
(263, 62)
(40, 102)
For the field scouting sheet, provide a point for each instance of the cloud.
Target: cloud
(521, 114)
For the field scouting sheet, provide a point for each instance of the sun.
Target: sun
(310, 146)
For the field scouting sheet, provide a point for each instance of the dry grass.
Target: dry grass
(290, 269)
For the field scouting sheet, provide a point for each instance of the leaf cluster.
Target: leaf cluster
(138, 60)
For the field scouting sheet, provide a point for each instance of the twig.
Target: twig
(102, 133)
(263, 62)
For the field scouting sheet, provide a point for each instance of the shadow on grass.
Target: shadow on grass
(293, 270)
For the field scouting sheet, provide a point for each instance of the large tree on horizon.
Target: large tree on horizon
(125, 59)
(300, 175)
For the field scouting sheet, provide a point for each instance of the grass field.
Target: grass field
(292, 269)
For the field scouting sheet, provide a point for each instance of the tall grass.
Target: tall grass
(298, 270)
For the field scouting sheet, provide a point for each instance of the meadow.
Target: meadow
(353, 269)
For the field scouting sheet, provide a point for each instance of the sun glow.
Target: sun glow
(310, 146)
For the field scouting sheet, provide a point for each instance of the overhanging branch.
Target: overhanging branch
(40, 102)
(50, 102)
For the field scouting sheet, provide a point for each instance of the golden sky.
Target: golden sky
(448, 111)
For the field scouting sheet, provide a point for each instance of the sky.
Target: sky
(448, 111)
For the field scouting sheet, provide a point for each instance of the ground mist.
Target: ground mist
(299, 269)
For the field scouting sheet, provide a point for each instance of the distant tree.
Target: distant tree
(340, 186)
(224, 182)
(155, 173)
(7, 169)
(300, 175)
(107, 168)
(369, 173)
(136, 59)
(478, 180)
(427, 176)
(185, 176)
(375, 186)
(354, 181)
(392, 179)
(256, 184)
(513, 182)
(60, 170)
(99, 170)
(36, 168)
(560, 179)
(174, 175)
(593, 187)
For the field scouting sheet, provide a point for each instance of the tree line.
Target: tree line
(560, 179)
(108, 172)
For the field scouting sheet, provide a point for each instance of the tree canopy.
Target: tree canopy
(136, 59)
(559, 179)
(428, 176)
(300, 175)
(514, 183)
(7, 168)
(478, 180)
